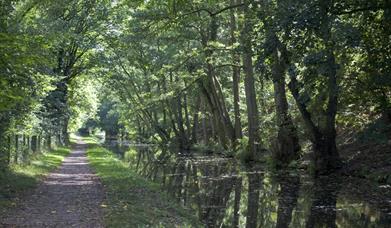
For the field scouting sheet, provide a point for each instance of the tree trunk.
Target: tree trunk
(24, 151)
(4, 150)
(249, 84)
(287, 144)
(187, 117)
(59, 141)
(34, 143)
(39, 143)
(65, 133)
(235, 75)
(49, 142)
(326, 155)
(16, 158)
(195, 120)
(211, 89)
(9, 158)
(28, 143)
(324, 147)
(204, 122)
(62, 110)
(183, 145)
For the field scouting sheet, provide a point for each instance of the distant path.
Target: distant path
(71, 196)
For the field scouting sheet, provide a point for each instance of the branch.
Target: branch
(27, 11)
(75, 72)
(212, 14)
(293, 86)
(197, 11)
(227, 8)
(227, 65)
(371, 8)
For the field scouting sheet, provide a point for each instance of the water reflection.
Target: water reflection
(254, 185)
(287, 198)
(323, 212)
(224, 194)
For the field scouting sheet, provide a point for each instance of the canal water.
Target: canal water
(224, 193)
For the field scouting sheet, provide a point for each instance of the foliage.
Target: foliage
(83, 101)
(187, 73)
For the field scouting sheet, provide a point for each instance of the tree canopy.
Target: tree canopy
(251, 78)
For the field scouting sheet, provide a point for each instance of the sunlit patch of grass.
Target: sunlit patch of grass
(132, 201)
(90, 140)
(73, 138)
(20, 178)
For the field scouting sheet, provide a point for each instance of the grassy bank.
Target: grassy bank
(21, 178)
(132, 201)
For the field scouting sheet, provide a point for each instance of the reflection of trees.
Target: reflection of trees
(213, 188)
(149, 165)
(287, 199)
(254, 185)
(238, 194)
(204, 185)
(267, 202)
(216, 189)
(323, 211)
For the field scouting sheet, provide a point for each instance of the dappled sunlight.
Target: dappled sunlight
(75, 179)
(71, 195)
(74, 170)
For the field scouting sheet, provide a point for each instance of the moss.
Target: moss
(132, 201)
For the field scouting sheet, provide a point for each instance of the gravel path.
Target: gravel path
(69, 197)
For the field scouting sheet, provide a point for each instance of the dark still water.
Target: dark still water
(225, 194)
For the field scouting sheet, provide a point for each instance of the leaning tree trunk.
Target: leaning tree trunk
(323, 147)
(212, 91)
(326, 157)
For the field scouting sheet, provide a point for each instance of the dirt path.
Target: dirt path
(69, 197)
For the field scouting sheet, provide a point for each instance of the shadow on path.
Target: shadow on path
(69, 197)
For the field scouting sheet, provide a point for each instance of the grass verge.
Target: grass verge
(132, 201)
(20, 178)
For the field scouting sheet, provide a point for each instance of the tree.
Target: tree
(249, 83)
(80, 24)
(286, 146)
(24, 78)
